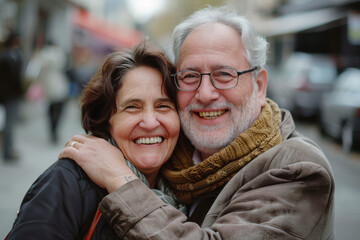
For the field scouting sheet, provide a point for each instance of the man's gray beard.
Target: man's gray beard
(208, 143)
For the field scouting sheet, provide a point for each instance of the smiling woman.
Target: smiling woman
(129, 103)
(146, 125)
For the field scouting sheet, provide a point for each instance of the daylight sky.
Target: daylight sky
(143, 10)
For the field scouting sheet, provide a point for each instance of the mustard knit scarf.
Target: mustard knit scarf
(189, 181)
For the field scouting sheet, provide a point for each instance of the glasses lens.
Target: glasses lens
(187, 80)
(224, 78)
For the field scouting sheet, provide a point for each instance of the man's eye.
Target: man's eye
(190, 75)
(223, 74)
(190, 78)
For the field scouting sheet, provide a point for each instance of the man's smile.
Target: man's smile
(211, 114)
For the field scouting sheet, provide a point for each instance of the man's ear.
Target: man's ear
(261, 81)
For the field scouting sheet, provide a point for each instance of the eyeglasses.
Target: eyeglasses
(222, 78)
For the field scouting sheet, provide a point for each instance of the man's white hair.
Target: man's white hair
(255, 45)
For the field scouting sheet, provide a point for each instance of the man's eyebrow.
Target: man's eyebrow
(189, 69)
(194, 68)
(222, 66)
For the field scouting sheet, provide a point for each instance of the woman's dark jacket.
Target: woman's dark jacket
(60, 204)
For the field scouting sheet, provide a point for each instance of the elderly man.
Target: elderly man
(243, 170)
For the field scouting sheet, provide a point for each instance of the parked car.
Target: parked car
(301, 81)
(340, 109)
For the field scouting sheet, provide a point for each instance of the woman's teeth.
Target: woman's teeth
(211, 115)
(151, 140)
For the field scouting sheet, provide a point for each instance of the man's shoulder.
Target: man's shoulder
(296, 149)
(296, 143)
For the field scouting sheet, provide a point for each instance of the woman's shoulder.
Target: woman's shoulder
(65, 194)
(65, 166)
(69, 166)
(65, 174)
(65, 171)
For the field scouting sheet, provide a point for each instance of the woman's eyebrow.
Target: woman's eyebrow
(128, 101)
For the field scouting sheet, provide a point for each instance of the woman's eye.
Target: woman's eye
(131, 107)
(165, 106)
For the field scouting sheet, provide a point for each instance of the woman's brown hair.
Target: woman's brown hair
(98, 101)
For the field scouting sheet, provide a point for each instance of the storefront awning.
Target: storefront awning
(294, 23)
(113, 34)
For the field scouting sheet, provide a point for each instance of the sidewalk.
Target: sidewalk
(36, 154)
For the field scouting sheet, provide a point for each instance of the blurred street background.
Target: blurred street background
(313, 67)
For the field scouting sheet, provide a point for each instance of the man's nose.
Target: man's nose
(206, 93)
(149, 120)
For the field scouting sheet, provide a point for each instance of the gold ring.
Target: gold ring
(72, 144)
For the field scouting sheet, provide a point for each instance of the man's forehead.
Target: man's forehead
(210, 55)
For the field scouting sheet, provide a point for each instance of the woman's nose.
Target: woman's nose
(149, 120)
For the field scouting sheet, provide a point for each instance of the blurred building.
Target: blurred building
(102, 25)
(38, 21)
(311, 42)
(329, 27)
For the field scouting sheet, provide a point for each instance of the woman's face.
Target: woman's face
(146, 125)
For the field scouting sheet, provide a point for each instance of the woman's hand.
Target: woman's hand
(102, 162)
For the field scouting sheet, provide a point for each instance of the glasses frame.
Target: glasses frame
(211, 80)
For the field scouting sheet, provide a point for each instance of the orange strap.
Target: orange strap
(7, 236)
(93, 225)
(91, 228)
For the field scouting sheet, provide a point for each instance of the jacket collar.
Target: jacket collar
(287, 125)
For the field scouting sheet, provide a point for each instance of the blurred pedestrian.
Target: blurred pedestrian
(80, 70)
(55, 83)
(11, 91)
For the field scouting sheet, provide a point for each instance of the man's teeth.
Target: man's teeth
(151, 140)
(211, 115)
